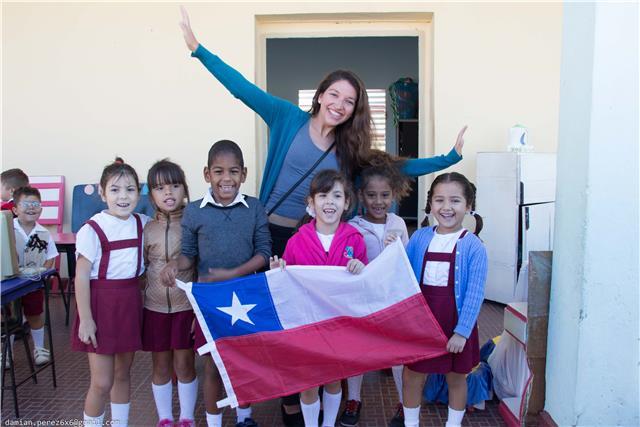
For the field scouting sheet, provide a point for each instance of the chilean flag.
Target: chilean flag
(277, 333)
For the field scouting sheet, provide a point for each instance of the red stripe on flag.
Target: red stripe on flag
(267, 365)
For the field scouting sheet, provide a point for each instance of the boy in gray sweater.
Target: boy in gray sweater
(226, 235)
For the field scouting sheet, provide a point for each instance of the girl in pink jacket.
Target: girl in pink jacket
(326, 240)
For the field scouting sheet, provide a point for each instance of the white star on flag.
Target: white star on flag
(238, 311)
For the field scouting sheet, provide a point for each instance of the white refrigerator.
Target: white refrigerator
(515, 197)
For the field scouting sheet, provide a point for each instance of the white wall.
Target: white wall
(83, 82)
(592, 353)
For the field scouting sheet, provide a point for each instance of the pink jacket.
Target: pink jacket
(304, 248)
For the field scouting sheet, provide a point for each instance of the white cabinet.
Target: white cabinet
(516, 194)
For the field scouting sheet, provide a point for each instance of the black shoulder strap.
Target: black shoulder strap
(302, 178)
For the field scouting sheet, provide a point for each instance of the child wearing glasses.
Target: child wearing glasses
(36, 252)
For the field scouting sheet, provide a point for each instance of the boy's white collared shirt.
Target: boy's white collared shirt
(208, 198)
(52, 251)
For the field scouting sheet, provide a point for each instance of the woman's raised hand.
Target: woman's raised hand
(459, 140)
(187, 32)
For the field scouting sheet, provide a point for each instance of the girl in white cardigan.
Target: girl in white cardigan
(381, 186)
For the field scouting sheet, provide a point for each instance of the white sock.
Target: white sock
(93, 421)
(243, 413)
(411, 416)
(187, 394)
(310, 413)
(397, 378)
(454, 418)
(355, 384)
(331, 404)
(214, 420)
(162, 394)
(38, 337)
(120, 414)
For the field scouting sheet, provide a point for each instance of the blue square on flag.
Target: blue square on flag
(237, 307)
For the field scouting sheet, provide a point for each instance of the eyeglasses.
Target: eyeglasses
(30, 204)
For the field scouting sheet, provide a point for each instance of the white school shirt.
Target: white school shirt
(326, 240)
(22, 239)
(436, 273)
(122, 262)
(208, 199)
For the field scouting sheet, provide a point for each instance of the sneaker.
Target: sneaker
(398, 418)
(41, 355)
(248, 422)
(291, 420)
(184, 422)
(165, 422)
(351, 413)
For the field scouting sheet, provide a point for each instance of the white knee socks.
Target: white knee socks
(38, 337)
(120, 414)
(454, 418)
(162, 394)
(355, 385)
(310, 413)
(214, 420)
(331, 404)
(411, 416)
(243, 413)
(187, 394)
(93, 421)
(397, 378)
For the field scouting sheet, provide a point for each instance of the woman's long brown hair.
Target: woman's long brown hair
(353, 137)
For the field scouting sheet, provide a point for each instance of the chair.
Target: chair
(51, 189)
(12, 325)
(52, 193)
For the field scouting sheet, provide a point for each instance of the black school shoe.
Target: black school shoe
(292, 420)
(398, 418)
(351, 414)
(248, 422)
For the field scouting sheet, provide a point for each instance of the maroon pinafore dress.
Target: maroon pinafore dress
(442, 302)
(116, 304)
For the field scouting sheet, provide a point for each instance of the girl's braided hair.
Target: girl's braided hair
(468, 189)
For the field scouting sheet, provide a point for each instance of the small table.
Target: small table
(12, 290)
(66, 243)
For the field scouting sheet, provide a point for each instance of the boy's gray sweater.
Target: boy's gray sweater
(225, 237)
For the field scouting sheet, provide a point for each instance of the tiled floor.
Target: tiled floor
(42, 402)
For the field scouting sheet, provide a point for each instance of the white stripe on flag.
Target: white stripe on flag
(231, 399)
(321, 293)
